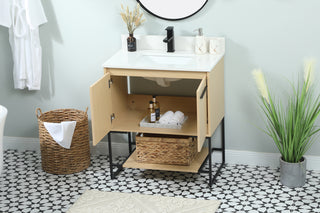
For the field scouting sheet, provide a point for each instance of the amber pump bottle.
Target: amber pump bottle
(156, 106)
(152, 113)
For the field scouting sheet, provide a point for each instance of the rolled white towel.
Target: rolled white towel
(166, 117)
(177, 118)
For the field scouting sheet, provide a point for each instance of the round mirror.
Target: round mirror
(172, 9)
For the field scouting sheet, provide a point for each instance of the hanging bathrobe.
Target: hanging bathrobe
(23, 18)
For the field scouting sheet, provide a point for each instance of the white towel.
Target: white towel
(172, 118)
(62, 132)
(166, 117)
(177, 118)
(23, 19)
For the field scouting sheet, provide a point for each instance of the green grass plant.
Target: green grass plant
(292, 127)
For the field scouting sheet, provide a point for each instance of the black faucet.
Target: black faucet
(169, 39)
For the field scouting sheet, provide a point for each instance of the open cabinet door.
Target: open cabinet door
(202, 113)
(100, 101)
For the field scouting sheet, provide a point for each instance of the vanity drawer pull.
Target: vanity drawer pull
(203, 92)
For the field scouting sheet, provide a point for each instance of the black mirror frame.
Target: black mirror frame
(168, 19)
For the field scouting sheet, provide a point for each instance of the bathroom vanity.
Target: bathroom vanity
(114, 109)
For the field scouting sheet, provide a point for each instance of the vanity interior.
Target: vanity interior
(114, 109)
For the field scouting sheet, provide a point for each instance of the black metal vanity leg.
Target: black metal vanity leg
(129, 142)
(110, 156)
(223, 142)
(209, 156)
(210, 160)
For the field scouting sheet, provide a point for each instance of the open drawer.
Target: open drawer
(113, 109)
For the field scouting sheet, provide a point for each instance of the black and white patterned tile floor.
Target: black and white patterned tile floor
(24, 187)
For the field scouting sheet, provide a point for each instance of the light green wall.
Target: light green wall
(80, 35)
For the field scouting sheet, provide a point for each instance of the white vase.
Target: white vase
(3, 115)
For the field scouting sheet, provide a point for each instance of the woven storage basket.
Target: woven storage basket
(56, 159)
(165, 149)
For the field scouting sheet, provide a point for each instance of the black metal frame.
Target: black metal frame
(212, 178)
(170, 19)
(209, 157)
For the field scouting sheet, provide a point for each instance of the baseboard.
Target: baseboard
(121, 149)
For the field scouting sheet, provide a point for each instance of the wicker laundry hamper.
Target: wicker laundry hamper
(56, 159)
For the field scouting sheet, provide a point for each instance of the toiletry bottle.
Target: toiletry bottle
(152, 113)
(156, 106)
(200, 46)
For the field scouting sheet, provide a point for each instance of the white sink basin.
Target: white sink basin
(167, 59)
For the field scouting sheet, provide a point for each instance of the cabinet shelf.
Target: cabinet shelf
(128, 121)
(193, 167)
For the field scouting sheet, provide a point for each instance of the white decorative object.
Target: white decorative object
(200, 46)
(3, 116)
(215, 46)
(116, 202)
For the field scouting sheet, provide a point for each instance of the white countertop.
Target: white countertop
(152, 54)
(157, 60)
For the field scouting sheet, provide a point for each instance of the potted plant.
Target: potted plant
(292, 126)
(133, 20)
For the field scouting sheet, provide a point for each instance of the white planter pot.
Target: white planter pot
(293, 174)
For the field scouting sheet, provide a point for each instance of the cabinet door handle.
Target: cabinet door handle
(203, 92)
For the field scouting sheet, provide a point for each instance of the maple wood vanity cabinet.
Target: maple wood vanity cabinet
(113, 109)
